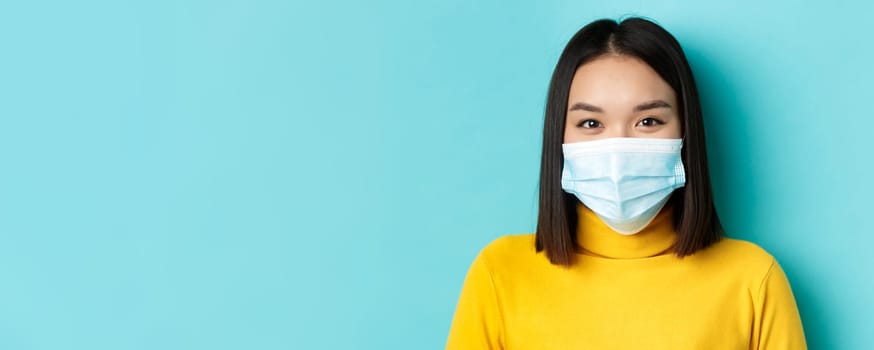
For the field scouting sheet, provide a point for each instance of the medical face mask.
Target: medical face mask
(626, 181)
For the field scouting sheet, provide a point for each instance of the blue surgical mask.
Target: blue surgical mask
(626, 180)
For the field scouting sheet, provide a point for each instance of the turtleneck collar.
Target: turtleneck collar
(598, 239)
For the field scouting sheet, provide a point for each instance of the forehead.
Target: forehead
(618, 79)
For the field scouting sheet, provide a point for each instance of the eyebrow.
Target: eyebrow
(641, 107)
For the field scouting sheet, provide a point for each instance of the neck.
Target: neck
(598, 239)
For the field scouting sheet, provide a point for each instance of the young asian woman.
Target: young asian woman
(628, 252)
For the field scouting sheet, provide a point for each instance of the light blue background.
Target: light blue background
(319, 175)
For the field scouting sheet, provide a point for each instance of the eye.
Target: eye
(650, 122)
(589, 124)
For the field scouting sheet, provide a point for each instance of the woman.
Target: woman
(629, 252)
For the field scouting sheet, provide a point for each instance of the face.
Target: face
(620, 96)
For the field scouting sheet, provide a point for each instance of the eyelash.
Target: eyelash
(583, 122)
(657, 121)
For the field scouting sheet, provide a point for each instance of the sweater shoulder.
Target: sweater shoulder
(744, 252)
(743, 257)
(511, 244)
(509, 248)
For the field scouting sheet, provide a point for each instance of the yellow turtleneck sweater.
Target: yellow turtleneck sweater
(626, 292)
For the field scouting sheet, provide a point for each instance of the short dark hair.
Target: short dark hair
(695, 218)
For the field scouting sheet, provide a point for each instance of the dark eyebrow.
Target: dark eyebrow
(585, 107)
(639, 108)
(651, 105)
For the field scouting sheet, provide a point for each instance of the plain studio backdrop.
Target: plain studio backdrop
(320, 174)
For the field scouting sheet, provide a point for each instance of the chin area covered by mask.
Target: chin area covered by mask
(626, 181)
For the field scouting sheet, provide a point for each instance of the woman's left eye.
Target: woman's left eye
(650, 122)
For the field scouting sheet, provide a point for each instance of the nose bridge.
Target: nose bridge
(619, 131)
(617, 172)
(618, 176)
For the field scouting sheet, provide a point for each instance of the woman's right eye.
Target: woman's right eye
(589, 124)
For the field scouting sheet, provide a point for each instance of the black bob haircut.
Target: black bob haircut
(695, 218)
